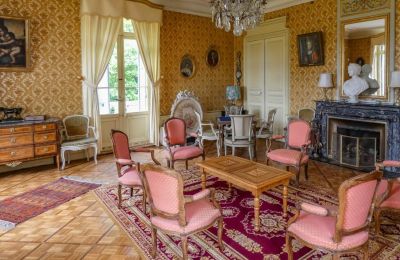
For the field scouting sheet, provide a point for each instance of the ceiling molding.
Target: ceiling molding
(202, 7)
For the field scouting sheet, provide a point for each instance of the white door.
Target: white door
(123, 92)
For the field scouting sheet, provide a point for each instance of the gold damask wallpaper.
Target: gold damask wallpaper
(397, 53)
(360, 48)
(319, 15)
(52, 87)
(189, 34)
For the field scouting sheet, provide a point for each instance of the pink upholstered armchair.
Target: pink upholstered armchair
(175, 214)
(340, 230)
(295, 152)
(388, 195)
(128, 170)
(177, 149)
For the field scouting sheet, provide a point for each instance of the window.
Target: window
(379, 66)
(124, 86)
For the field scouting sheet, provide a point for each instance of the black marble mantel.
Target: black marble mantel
(390, 114)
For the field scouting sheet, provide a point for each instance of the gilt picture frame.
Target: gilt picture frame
(212, 57)
(14, 44)
(311, 50)
(187, 66)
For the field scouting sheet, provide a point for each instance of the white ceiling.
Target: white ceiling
(202, 7)
(365, 29)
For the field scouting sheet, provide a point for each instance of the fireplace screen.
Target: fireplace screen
(357, 151)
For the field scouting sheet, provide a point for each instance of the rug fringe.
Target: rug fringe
(6, 225)
(86, 180)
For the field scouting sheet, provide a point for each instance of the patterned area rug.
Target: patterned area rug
(240, 239)
(20, 208)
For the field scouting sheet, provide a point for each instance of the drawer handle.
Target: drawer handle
(44, 126)
(12, 130)
(13, 153)
(45, 137)
(13, 140)
(46, 149)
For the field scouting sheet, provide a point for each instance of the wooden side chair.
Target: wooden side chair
(127, 169)
(295, 152)
(177, 148)
(341, 230)
(242, 134)
(208, 133)
(175, 214)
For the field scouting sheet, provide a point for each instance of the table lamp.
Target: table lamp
(395, 83)
(232, 93)
(325, 82)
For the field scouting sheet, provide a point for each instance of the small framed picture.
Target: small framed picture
(212, 57)
(187, 66)
(311, 52)
(14, 44)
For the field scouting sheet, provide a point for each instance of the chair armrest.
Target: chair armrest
(125, 162)
(317, 209)
(198, 196)
(391, 163)
(94, 131)
(145, 150)
(277, 137)
(193, 135)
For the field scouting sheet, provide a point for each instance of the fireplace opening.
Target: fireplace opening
(356, 143)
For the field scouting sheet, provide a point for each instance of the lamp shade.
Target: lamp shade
(395, 80)
(325, 80)
(232, 92)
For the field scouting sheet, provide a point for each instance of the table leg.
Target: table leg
(257, 213)
(203, 179)
(285, 196)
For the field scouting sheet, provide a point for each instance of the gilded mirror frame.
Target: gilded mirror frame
(349, 11)
(387, 54)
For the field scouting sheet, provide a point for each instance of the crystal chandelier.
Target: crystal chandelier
(244, 14)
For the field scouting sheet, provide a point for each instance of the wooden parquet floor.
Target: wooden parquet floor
(81, 229)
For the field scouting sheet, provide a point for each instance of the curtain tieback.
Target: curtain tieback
(90, 85)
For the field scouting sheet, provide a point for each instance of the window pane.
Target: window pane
(128, 27)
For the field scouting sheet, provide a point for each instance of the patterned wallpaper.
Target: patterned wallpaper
(52, 87)
(397, 26)
(319, 15)
(360, 48)
(188, 34)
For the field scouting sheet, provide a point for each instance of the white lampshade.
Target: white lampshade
(395, 80)
(325, 80)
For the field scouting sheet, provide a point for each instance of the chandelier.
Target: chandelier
(243, 14)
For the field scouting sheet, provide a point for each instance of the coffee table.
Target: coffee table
(247, 175)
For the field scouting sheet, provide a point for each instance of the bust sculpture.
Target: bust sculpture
(373, 85)
(356, 85)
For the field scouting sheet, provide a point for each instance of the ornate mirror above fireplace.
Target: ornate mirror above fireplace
(365, 41)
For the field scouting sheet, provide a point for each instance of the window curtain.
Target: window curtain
(148, 39)
(98, 37)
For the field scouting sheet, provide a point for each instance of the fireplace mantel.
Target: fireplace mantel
(389, 114)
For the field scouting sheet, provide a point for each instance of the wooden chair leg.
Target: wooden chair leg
(168, 163)
(184, 247)
(306, 171)
(297, 175)
(187, 164)
(336, 256)
(119, 195)
(267, 161)
(172, 164)
(366, 251)
(289, 246)
(287, 168)
(154, 238)
(220, 231)
(144, 200)
(131, 192)
(377, 216)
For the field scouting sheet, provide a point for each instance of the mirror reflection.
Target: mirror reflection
(365, 43)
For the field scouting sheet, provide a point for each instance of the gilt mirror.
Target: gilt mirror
(366, 41)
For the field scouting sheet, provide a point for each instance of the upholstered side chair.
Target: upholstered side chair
(242, 134)
(127, 169)
(295, 152)
(340, 230)
(177, 148)
(306, 114)
(267, 127)
(77, 135)
(207, 132)
(175, 214)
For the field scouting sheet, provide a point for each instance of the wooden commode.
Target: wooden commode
(29, 140)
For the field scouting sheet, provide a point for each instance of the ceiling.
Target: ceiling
(202, 7)
(365, 29)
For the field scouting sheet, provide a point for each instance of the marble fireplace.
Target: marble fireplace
(358, 135)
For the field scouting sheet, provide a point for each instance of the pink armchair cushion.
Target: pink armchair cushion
(130, 178)
(176, 131)
(125, 162)
(298, 133)
(391, 163)
(393, 201)
(320, 230)
(199, 214)
(286, 156)
(184, 152)
(314, 209)
(199, 195)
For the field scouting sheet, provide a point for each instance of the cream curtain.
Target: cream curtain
(148, 39)
(98, 37)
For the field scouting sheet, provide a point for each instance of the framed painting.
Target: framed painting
(212, 57)
(187, 66)
(311, 52)
(14, 44)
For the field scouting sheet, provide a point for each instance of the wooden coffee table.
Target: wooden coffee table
(248, 175)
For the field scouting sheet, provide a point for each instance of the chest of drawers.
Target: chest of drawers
(25, 141)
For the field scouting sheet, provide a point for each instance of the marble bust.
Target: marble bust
(373, 85)
(356, 85)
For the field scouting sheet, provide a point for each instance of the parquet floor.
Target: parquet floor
(81, 229)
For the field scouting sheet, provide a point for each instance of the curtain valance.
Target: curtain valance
(122, 8)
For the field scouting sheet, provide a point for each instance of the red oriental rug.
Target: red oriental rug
(15, 210)
(239, 237)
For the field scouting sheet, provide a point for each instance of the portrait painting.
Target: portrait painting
(187, 66)
(212, 57)
(311, 51)
(14, 44)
